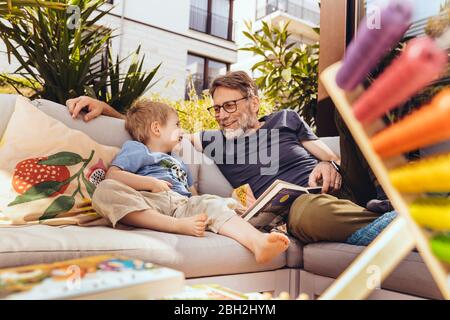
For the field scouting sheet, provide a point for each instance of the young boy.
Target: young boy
(146, 187)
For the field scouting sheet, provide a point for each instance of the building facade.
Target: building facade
(195, 40)
(191, 38)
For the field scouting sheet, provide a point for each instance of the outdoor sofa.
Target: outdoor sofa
(308, 269)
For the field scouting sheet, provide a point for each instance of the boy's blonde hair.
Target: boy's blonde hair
(141, 115)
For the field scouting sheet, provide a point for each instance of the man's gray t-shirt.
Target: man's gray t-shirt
(272, 152)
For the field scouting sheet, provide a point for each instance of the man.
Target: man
(241, 149)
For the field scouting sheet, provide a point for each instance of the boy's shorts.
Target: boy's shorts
(114, 200)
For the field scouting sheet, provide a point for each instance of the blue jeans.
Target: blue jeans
(367, 234)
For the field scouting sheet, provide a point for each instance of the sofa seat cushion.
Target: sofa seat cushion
(196, 257)
(214, 255)
(23, 245)
(411, 276)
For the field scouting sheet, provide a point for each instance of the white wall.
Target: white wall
(167, 14)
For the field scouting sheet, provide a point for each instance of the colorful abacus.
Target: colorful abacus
(418, 191)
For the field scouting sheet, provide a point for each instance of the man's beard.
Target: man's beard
(246, 123)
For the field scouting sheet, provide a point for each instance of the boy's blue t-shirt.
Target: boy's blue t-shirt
(136, 157)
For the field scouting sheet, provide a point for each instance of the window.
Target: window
(214, 17)
(202, 71)
(220, 18)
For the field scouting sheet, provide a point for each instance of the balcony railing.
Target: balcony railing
(289, 7)
(213, 24)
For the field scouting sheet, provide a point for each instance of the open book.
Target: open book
(271, 209)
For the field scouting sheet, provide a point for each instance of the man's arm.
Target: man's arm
(324, 172)
(137, 182)
(94, 107)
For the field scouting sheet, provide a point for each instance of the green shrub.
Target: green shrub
(194, 115)
(12, 7)
(289, 72)
(22, 87)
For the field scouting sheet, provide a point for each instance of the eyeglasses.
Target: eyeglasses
(228, 106)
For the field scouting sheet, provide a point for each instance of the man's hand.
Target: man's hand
(325, 172)
(93, 106)
(158, 185)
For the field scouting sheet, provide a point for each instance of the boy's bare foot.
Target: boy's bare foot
(192, 226)
(271, 246)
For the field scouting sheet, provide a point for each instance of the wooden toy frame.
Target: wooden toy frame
(400, 237)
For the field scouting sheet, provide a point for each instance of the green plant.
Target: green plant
(289, 72)
(12, 7)
(436, 25)
(123, 88)
(21, 85)
(62, 55)
(194, 115)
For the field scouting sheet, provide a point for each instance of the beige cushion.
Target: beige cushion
(105, 130)
(196, 257)
(40, 160)
(22, 245)
(411, 276)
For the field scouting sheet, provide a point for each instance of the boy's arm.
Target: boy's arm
(137, 182)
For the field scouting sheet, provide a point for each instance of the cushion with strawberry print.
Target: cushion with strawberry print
(48, 172)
